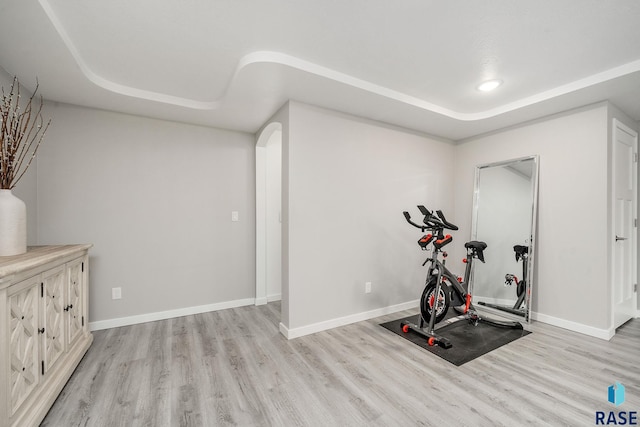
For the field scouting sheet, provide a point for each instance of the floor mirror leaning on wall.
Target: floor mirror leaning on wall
(504, 216)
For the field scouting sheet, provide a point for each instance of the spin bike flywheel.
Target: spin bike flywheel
(428, 301)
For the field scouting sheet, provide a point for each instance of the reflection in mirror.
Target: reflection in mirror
(504, 217)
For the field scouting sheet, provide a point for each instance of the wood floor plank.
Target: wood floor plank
(233, 368)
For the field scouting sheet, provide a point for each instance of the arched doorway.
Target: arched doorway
(268, 214)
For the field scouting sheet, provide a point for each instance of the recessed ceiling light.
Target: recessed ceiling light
(489, 85)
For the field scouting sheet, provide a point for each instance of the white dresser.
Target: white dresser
(44, 329)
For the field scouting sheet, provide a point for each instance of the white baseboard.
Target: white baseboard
(268, 299)
(346, 320)
(169, 314)
(261, 301)
(605, 334)
(274, 297)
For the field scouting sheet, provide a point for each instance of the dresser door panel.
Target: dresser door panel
(74, 301)
(53, 345)
(23, 329)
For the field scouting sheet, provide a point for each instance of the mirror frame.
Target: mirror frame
(532, 240)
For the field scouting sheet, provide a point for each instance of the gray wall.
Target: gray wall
(348, 182)
(155, 198)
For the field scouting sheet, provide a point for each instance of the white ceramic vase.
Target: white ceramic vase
(13, 224)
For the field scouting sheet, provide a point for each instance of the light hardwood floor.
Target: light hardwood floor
(232, 367)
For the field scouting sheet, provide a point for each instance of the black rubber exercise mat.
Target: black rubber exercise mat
(468, 341)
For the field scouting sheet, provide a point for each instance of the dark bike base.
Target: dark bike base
(468, 341)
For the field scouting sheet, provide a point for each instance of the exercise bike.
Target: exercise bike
(442, 288)
(522, 253)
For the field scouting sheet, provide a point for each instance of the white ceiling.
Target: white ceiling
(411, 63)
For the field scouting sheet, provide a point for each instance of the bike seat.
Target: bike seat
(520, 251)
(475, 244)
(477, 247)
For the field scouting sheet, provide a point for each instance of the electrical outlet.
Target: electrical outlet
(367, 287)
(116, 293)
(234, 216)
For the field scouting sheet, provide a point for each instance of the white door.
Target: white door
(625, 142)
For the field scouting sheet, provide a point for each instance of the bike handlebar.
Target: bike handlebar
(431, 221)
(424, 211)
(446, 224)
(408, 218)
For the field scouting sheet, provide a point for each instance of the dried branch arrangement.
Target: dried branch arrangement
(21, 132)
